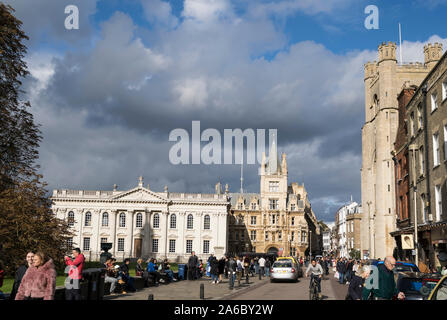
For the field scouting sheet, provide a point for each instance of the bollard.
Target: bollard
(260, 276)
(246, 278)
(202, 291)
(150, 297)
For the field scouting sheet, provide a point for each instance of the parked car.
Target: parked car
(416, 286)
(440, 291)
(284, 269)
(400, 266)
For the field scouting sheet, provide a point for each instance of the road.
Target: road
(330, 289)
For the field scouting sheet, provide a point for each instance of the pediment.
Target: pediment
(139, 194)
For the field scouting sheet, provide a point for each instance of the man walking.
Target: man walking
(386, 288)
(341, 269)
(20, 273)
(73, 289)
(232, 267)
(193, 262)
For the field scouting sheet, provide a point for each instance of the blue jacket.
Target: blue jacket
(151, 267)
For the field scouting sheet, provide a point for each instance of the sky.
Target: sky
(108, 94)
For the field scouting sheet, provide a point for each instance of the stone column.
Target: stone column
(131, 214)
(181, 233)
(164, 225)
(81, 224)
(113, 218)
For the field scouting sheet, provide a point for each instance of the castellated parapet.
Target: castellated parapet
(432, 54)
(370, 69)
(387, 51)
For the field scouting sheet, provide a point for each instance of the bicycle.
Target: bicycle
(313, 291)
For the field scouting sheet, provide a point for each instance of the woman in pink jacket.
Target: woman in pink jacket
(39, 281)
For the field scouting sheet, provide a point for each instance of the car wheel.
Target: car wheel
(271, 281)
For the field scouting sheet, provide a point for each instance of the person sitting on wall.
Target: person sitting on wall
(124, 269)
(151, 269)
(166, 268)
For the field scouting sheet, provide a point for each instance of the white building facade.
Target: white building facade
(345, 243)
(141, 223)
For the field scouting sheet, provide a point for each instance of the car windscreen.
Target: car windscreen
(405, 268)
(282, 264)
(413, 286)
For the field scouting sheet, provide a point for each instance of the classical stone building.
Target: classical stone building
(143, 223)
(347, 220)
(278, 219)
(383, 83)
(425, 116)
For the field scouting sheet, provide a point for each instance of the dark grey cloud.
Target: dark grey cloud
(107, 110)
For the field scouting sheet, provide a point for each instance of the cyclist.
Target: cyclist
(316, 273)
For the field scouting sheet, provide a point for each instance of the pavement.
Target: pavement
(190, 290)
(255, 290)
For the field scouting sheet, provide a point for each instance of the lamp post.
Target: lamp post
(310, 244)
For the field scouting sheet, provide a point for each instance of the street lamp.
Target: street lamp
(414, 148)
(310, 246)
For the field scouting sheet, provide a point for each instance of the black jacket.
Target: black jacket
(17, 280)
(341, 267)
(356, 288)
(124, 268)
(193, 261)
(214, 264)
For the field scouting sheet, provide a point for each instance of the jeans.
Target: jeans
(214, 277)
(318, 281)
(170, 274)
(262, 271)
(192, 273)
(72, 294)
(256, 268)
(232, 278)
(341, 277)
(129, 282)
(112, 281)
(267, 272)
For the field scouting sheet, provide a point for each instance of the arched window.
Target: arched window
(105, 219)
(88, 219)
(173, 222)
(156, 221)
(189, 222)
(71, 218)
(139, 220)
(206, 222)
(122, 220)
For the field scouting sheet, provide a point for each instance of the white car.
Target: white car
(283, 270)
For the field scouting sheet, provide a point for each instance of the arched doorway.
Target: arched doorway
(272, 250)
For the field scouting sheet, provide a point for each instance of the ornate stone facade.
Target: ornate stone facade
(279, 218)
(143, 223)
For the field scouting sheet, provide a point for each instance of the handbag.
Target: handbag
(336, 275)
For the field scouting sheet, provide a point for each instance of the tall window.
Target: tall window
(206, 246)
(266, 236)
(423, 211)
(421, 160)
(273, 204)
(172, 245)
(120, 244)
(70, 243)
(280, 235)
(173, 221)
(434, 101)
(105, 219)
(188, 246)
(303, 236)
(273, 218)
(139, 221)
(444, 90)
(122, 220)
(253, 235)
(438, 202)
(156, 221)
(253, 220)
(206, 222)
(71, 218)
(236, 234)
(88, 219)
(86, 244)
(293, 252)
(154, 245)
(273, 186)
(292, 221)
(436, 151)
(242, 236)
(241, 206)
(412, 130)
(292, 236)
(189, 221)
(420, 123)
(253, 206)
(445, 142)
(292, 207)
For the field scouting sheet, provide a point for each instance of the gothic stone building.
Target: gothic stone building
(277, 220)
(383, 83)
(142, 223)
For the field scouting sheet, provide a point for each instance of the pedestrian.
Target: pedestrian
(232, 267)
(239, 270)
(386, 288)
(262, 266)
(200, 269)
(139, 270)
(166, 268)
(341, 269)
(39, 281)
(357, 283)
(193, 261)
(226, 267)
(221, 268)
(214, 269)
(110, 276)
(73, 281)
(20, 273)
(349, 266)
(256, 265)
(268, 264)
(246, 262)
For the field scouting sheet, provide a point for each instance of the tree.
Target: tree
(354, 254)
(26, 219)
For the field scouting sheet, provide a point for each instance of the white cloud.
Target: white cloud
(159, 13)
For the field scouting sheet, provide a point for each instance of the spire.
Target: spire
(273, 158)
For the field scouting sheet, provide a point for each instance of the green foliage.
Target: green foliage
(354, 254)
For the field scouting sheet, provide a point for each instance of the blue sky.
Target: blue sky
(107, 95)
